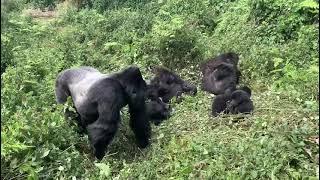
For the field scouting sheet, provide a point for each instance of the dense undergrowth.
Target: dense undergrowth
(278, 46)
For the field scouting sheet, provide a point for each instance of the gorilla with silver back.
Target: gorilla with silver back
(98, 99)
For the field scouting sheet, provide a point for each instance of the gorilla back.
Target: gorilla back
(98, 99)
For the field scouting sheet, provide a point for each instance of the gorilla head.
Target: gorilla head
(233, 101)
(157, 110)
(220, 73)
(167, 85)
(240, 101)
(98, 99)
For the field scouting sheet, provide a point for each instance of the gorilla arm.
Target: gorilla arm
(140, 123)
(135, 89)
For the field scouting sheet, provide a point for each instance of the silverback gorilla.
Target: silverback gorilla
(233, 101)
(220, 73)
(98, 99)
(167, 85)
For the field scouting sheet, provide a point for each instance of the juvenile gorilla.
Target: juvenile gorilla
(98, 99)
(233, 101)
(167, 85)
(220, 73)
(157, 110)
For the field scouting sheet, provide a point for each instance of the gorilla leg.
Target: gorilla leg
(102, 131)
(140, 125)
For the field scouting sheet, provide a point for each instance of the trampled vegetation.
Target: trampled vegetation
(278, 45)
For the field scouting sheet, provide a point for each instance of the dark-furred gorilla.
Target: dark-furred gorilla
(98, 99)
(220, 73)
(240, 101)
(233, 101)
(157, 110)
(167, 85)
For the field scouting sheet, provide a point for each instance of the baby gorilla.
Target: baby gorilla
(167, 85)
(233, 101)
(220, 73)
(157, 110)
(98, 99)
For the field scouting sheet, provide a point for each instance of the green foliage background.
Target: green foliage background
(278, 45)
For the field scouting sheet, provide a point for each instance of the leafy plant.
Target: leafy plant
(277, 42)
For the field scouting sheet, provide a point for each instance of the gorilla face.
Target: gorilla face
(158, 111)
(168, 84)
(240, 101)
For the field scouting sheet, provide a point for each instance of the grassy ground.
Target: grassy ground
(278, 141)
(192, 144)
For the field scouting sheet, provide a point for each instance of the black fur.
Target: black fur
(157, 110)
(98, 99)
(219, 104)
(220, 73)
(240, 101)
(167, 85)
(233, 101)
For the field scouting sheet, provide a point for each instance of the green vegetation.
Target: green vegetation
(278, 44)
